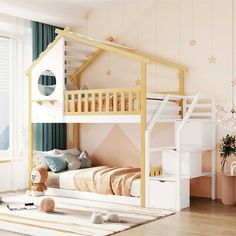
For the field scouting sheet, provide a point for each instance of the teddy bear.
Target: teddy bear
(39, 175)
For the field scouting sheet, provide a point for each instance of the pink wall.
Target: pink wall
(164, 28)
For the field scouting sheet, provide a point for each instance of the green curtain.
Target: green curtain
(47, 136)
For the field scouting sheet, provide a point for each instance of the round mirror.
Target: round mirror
(46, 83)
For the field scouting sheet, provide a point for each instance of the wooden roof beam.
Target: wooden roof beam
(159, 60)
(107, 47)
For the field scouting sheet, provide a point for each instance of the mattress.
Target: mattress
(65, 180)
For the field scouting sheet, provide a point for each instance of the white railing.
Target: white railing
(161, 109)
(178, 148)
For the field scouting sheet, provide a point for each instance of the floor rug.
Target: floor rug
(71, 217)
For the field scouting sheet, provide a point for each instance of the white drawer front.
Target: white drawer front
(162, 194)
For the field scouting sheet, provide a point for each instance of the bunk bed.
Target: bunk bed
(114, 105)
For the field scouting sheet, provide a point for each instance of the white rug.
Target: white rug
(71, 217)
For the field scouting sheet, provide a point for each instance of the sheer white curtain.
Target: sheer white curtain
(20, 34)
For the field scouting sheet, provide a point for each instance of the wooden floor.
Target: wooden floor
(204, 217)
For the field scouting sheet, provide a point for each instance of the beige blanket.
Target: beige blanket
(106, 180)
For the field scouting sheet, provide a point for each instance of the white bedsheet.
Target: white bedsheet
(67, 179)
(67, 182)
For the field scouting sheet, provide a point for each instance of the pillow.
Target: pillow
(85, 160)
(70, 87)
(73, 151)
(56, 163)
(39, 157)
(73, 161)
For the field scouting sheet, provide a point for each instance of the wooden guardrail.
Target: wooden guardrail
(115, 101)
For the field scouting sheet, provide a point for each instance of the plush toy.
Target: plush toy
(96, 218)
(112, 217)
(39, 175)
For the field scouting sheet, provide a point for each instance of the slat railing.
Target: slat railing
(115, 101)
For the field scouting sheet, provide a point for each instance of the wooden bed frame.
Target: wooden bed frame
(123, 115)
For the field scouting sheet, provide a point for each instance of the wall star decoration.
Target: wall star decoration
(108, 72)
(137, 82)
(193, 42)
(212, 59)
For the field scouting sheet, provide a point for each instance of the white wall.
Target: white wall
(13, 173)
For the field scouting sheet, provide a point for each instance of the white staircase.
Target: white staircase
(194, 134)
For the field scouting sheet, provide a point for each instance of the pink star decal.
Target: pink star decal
(108, 72)
(137, 82)
(212, 59)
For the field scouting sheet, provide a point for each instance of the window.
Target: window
(5, 47)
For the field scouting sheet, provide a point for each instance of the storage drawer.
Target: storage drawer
(191, 163)
(163, 194)
(197, 133)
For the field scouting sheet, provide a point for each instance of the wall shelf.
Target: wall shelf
(40, 102)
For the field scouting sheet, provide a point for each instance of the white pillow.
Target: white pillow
(73, 151)
(39, 157)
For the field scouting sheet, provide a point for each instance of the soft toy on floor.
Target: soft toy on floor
(96, 218)
(39, 175)
(112, 217)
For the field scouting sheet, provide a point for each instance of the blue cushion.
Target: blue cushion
(56, 163)
(85, 160)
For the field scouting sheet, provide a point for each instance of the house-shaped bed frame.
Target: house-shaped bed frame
(93, 106)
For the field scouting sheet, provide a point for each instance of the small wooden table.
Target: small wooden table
(228, 189)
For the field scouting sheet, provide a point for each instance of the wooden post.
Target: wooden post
(75, 135)
(143, 72)
(181, 89)
(31, 134)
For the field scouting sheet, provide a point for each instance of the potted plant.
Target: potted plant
(227, 149)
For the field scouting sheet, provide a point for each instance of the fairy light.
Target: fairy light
(226, 115)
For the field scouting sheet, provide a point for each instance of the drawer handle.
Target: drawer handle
(162, 181)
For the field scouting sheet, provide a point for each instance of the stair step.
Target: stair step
(197, 114)
(78, 50)
(68, 74)
(74, 59)
(167, 108)
(76, 43)
(70, 66)
(200, 105)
